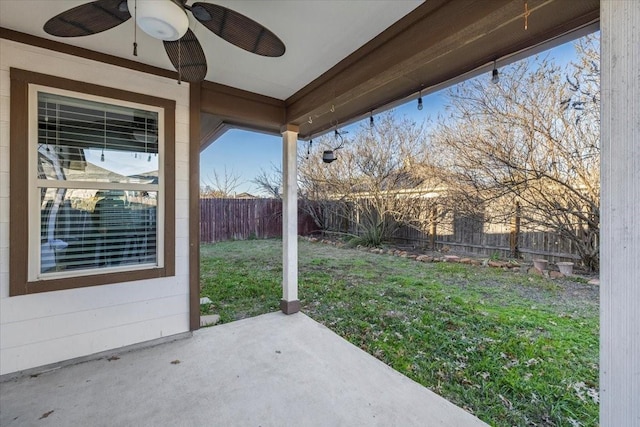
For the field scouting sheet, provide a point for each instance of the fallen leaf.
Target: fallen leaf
(175, 362)
(46, 414)
(506, 402)
(112, 358)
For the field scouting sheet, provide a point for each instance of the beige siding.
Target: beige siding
(45, 328)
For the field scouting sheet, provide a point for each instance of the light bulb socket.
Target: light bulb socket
(420, 103)
(495, 76)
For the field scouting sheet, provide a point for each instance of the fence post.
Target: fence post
(432, 228)
(514, 233)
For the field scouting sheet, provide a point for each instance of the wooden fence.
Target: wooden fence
(465, 234)
(469, 239)
(242, 219)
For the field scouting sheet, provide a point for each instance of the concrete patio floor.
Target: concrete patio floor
(271, 370)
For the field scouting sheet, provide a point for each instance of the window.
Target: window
(97, 186)
(99, 198)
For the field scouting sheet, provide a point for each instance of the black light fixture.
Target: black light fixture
(329, 156)
(420, 101)
(309, 147)
(495, 76)
(371, 122)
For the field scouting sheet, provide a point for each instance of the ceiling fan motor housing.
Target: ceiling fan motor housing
(161, 19)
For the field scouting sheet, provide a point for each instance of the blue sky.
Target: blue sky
(244, 153)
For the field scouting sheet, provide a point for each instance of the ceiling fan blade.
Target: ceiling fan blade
(89, 18)
(237, 29)
(187, 57)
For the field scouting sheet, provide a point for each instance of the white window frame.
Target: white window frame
(35, 184)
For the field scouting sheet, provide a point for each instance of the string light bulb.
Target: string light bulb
(309, 148)
(371, 121)
(495, 76)
(420, 101)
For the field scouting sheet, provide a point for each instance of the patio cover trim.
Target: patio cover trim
(421, 51)
(56, 46)
(194, 206)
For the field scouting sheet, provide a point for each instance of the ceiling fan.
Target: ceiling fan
(167, 20)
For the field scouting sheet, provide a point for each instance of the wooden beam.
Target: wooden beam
(437, 42)
(243, 109)
(57, 46)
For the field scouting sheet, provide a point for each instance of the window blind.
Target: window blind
(97, 177)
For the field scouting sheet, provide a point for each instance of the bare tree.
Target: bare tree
(221, 185)
(377, 183)
(269, 183)
(533, 138)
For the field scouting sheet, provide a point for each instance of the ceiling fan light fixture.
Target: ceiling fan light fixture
(161, 19)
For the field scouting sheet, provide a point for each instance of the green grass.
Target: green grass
(513, 349)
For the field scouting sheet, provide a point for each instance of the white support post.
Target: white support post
(620, 214)
(290, 303)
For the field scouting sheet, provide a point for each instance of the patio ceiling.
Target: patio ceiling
(343, 59)
(317, 35)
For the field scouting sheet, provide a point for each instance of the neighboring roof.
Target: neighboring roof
(245, 196)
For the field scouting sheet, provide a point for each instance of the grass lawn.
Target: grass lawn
(513, 349)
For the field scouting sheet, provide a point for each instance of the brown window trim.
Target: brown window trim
(19, 190)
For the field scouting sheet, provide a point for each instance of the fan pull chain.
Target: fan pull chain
(135, 28)
(527, 12)
(180, 61)
(57, 127)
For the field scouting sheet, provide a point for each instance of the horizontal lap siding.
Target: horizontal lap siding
(50, 327)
